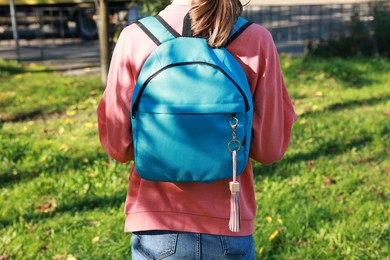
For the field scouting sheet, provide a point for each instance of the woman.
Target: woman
(188, 220)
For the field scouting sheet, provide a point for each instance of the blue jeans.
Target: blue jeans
(190, 246)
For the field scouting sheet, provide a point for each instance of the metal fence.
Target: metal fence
(56, 22)
(291, 26)
(46, 32)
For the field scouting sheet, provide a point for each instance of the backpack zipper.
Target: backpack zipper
(138, 98)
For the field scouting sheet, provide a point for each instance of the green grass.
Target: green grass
(62, 198)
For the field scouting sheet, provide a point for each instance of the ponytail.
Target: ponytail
(214, 19)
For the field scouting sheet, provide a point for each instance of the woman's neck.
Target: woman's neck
(181, 2)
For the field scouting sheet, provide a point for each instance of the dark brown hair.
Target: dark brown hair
(214, 19)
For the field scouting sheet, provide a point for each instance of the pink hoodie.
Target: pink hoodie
(195, 207)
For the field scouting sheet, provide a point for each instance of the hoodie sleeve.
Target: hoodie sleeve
(113, 112)
(273, 110)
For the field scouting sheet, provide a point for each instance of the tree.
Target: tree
(153, 6)
(104, 44)
(149, 6)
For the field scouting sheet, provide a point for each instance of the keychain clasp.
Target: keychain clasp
(233, 123)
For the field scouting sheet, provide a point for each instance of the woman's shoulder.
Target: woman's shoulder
(258, 31)
(255, 38)
(131, 28)
(132, 34)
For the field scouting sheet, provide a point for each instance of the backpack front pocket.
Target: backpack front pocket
(189, 147)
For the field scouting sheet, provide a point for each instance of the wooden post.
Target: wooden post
(14, 28)
(105, 50)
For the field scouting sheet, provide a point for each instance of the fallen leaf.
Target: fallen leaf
(303, 243)
(3, 257)
(95, 239)
(261, 250)
(329, 181)
(373, 164)
(349, 211)
(70, 112)
(106, 164)
(43, 158)
(376, 192)
(310, 165)
(31, 228)
(273, 235)
(93, 93)
(268, 219)
(44, 207)
(94, 223)
(68, 120)
(387, 112)
(64, 148)
(47, 207)
(89, 125)
(302, 121)
(45, 247)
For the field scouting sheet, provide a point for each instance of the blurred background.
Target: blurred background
(54, 29)
(62, 198)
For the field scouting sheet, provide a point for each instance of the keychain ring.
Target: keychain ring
(238, 146)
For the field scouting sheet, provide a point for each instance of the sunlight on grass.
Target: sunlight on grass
(62, 197)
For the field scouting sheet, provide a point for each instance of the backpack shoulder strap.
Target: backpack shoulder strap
(238, 29)
(157, 29)
(160, 31)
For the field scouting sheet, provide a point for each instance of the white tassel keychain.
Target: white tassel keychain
(235, 215)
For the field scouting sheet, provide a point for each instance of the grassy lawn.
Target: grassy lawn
(62, 198)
